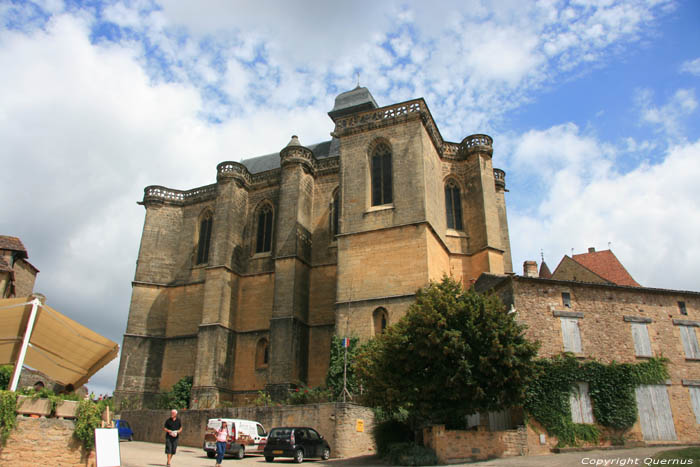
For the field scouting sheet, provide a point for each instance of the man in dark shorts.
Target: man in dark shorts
(172, 428)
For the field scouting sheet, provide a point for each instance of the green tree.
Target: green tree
(454, 353)
(178, 397)
(334, 377)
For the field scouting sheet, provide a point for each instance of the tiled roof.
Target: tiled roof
(545, 273)
(12, 243)
(606, 265)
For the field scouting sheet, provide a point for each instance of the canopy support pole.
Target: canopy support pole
(25, 343)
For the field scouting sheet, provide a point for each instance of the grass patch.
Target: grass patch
(685, 453)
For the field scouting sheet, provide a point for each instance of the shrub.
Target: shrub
(410, 454)
(263, 399)
(89, 418)
(8, 418)
(304, 395)
(390, 433)
(5, 376)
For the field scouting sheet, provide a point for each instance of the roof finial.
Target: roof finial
(358, 79)
(542, 254)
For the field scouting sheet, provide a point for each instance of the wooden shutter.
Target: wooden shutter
(642, 345)
(571, 335)
(695, 401)
(580, 401)
(655, 413)
(690, 342)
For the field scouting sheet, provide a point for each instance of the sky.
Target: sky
(592, 105)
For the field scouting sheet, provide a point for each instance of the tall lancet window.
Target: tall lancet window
(381, 175)
(264, 238)
(204, 238)
(335, 215)
(453, 205)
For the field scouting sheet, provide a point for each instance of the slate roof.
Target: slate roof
(355, 100)
(12, 243)
(545, 273)
(606, 265)
(272, 161)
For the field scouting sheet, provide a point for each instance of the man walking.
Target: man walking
(172, 428)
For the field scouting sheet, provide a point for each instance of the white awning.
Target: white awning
(59, 347)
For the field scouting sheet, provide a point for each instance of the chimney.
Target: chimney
(530, 269)
(591, 249)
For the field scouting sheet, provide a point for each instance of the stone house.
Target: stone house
(242, 283)
(17, 275)
(626, 323)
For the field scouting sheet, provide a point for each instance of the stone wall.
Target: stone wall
(337, 422)
(43, 441)
(457, 446)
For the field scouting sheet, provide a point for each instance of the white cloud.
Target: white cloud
(648, 214)
(667, 118)
(691, 66)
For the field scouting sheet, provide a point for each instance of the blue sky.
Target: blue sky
(593, 107)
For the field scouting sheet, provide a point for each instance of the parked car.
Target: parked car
(125, 431)
(246, 437)
(296, 442)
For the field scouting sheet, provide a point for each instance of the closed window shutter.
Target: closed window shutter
(571, 335)
(642, 345)
(655, 413)
(690, 342)
(695, 401)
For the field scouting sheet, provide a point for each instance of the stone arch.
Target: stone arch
(380, 163)
(262, 353)
(264, 227)
(380, 321)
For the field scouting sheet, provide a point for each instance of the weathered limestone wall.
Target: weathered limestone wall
(43, 441)
(337, 422)
(457, 446)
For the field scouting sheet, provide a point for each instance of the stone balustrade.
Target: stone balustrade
(161, 194)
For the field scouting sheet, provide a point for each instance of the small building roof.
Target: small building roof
(606, 265)
(545, 273)
(13, 243)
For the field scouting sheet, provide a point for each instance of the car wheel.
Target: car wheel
(211, 454)
(269, 458)
(240, 454)
(325, 454)
(299, 456)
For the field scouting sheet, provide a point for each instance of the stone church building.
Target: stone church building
(242, 283)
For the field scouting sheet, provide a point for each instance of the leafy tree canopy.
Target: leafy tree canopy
(454, 353)
(334, 377)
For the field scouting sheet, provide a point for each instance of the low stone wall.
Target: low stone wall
(457, 446)
(337, 422)
(43, 441)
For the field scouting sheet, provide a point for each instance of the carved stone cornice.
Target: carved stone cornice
(406, 111)
(231, 170)
(156, 194)
(328, 165)
(295, 153)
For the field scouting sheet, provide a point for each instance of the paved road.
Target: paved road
(140, 454)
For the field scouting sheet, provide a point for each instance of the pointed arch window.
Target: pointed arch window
(379, 320)
(453, 205)
(381, 175)
(335, 215)
(205, 225)
(264, 237)
(262, 354)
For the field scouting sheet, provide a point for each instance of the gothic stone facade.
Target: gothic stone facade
(626, 324)
(242, 283)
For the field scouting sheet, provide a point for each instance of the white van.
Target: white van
(246, 437)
